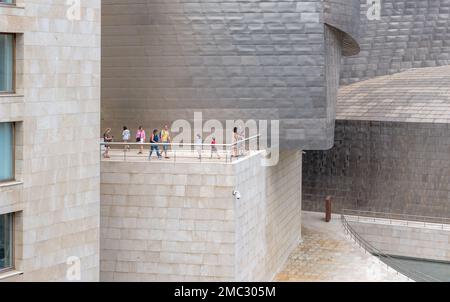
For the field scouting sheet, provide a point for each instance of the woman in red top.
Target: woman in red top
(214, 148)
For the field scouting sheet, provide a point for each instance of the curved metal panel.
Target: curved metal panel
(408, 34)
(344, 15)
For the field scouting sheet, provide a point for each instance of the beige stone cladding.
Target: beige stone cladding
(167, 222)
(180, 222)
(418, 240)
(56, 108)
(268, 217)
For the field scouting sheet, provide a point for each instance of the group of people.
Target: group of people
(157, 137)
(163, 138)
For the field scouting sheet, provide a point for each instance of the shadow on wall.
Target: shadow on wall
(382, 166)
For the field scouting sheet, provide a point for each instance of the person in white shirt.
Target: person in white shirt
(199, 147)
(126, 134)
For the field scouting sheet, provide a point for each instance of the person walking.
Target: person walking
(126, 137)
(214, 148)
(165, 139)
(235, 140)
(199, 147)
(154, 140)
(140, 138)
(241, 142)
(107, 138)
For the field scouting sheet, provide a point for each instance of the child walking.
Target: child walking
(126, 137)
(214, 148)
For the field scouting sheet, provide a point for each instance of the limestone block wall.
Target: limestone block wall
(413, 242)
(56, 107)
(180, 222)
(262, 60)
(410, 34)
(268, 218)
(166, 222)
(382, 166)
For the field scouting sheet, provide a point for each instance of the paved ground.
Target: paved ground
(328, 254)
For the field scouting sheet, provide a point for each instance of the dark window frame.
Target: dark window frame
(13, 146)
(12, 244)
(14, 41)
(5, 3)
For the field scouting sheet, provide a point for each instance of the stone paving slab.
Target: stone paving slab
(327, 254)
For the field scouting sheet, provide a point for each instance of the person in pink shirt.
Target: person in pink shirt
(140, 138)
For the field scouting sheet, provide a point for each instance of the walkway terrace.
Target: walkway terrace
(181, 157)
(179, 153)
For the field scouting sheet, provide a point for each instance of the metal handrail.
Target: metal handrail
(187, 150)
(179, 144)
(393, 263)
(407, 218)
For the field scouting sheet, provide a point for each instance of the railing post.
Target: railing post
(328, 200)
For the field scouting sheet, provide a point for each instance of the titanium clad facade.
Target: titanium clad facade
(390, 167)
(409, 34)
(391, 141)
(391, 147)
(230, 60)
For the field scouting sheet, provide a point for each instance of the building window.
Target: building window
(6, 242)
(6, 152)
(7, 63)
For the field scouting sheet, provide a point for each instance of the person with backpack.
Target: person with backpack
(154, 140)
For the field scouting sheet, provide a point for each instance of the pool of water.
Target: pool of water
(422, 269)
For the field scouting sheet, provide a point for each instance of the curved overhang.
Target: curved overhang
(344, 16)
(350, 46)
